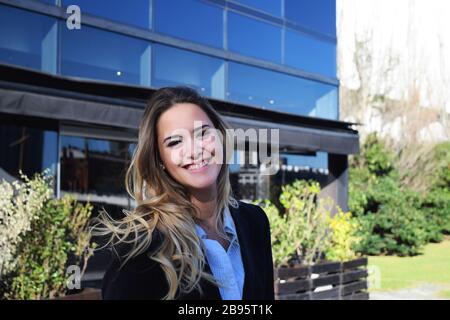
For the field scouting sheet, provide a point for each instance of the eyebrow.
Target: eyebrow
(195, 130)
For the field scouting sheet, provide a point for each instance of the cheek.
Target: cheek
(213, 147)
(172, 157)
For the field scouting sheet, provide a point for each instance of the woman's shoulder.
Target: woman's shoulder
(139, 277)
(252, 212)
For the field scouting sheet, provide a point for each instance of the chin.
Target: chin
(201, 183)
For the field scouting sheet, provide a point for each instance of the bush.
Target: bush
(57, 233)
(20, 204)
(393, 220)
(436, 203)
(343, 230)
(305, 232)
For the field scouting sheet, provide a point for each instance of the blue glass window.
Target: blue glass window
(254, 38)
(53, 2)
(97, 54)
(135, 12)
(179, 67)
(27, 39)
(270, 6)
(281, 92)
(318, 15)
(191, 20)
(310, 54)
(305, 162)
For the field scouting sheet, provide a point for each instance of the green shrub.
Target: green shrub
(392, 219)
(300, 233)
(305, 232)
(58, 231)
(344, 237)
(436, 203)
(20, 204)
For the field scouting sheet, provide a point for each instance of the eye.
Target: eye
(205, 132)
(173, 143)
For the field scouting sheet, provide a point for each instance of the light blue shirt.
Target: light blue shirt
(226, 266)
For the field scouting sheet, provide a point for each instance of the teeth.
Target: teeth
(197, 166)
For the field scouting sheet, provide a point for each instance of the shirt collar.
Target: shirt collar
(228, 225)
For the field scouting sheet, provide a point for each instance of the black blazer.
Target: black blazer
(143, 278)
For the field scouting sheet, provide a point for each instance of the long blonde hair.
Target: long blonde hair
(163, 205)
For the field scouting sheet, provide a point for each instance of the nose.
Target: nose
(194, 150)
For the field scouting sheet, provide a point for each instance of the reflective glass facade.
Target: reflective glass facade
(172, 66)
(278, 55)
(299, 36)
(97, 54)
(136, 12)
(32, 44)
(281, 92)
(254, 38)
(192, 20)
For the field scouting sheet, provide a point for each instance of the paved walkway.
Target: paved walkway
(423, 292)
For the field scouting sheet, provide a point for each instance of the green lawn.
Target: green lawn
(433, 267)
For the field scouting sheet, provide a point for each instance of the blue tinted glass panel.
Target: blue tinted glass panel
(179, 67)
(318, 15)
(281, 92)
(30, 44)
(135, 12)
(269, 6)
(310, 54)
(306, 162)
(47, 1)
(254, 38)
(97, 54)
(192, 20)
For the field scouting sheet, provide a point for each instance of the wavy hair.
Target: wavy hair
(163, 205)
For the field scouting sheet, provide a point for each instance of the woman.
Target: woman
(188, 238)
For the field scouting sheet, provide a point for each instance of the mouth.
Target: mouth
(197, 166)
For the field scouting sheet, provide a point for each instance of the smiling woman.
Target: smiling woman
(187, 238)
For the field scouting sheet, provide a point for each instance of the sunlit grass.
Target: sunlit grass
(433, 267)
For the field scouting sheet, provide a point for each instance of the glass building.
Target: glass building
(75, 76)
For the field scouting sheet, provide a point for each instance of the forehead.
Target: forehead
(182, 116)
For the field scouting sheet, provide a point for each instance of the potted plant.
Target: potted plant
(313, 249)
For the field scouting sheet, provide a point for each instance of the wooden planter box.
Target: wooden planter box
(324, 281)
(86, 294)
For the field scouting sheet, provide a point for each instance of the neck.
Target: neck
(206, 202)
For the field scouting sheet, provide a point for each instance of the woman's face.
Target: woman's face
(187, 142)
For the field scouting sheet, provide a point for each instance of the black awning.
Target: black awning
(32, 93)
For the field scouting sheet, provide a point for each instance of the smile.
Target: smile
(197, 166)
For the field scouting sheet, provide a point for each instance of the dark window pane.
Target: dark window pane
(299, 167)
(318, 15)
(281, 92)
(249, 183)
(98, 54)
(179, 67)
(95, 169)
(254, 38)
(192, 20)
(269, 6)
(135, 12)
(26, 147)
(310, 54)
(27, 39)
